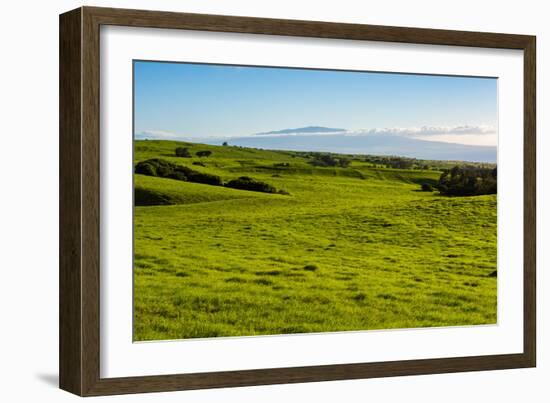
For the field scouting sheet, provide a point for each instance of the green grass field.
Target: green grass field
(351, 248)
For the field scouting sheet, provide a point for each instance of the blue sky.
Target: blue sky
(196, 100)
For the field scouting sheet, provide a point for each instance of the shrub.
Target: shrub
(343, 162)
(145, 168)
(426, 187)
(205, 153)
(154, 167)
(165, 169)
(391, 162)
(225, 144)
(183, 152)
(247, 183)
(178, 175)
(328, 160)
(200, 177)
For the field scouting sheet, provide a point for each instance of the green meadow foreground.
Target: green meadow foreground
(352, 248)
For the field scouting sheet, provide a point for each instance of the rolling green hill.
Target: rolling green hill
(351, 248)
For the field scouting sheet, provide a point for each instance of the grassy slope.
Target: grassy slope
(225, 262)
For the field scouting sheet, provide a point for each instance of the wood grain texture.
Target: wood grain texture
(530, 201)
(70, 274)
(80, 201)
(90, 202)
(305, 374)
(316, 29)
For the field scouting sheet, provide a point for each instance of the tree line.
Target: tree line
(165, 169)
(466, 181)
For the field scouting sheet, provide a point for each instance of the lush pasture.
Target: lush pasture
(349, 249)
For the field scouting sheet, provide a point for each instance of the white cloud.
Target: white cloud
(467, 134)
(489, 139)
(164, 135)
(156, 135)
(482, 135)
(423, 131)
(428, 131)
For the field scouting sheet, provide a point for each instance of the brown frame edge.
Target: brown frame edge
(79, 201)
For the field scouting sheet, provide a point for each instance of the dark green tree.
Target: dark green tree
(183, 152)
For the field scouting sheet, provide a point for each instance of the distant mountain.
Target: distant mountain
(304, 130)
(376, 144)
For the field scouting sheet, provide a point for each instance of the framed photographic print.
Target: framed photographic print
(249, 201)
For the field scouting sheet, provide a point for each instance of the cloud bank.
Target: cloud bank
(304, 130)
(429, 131)
(465, 134)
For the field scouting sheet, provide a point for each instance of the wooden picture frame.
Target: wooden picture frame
(79, 346)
